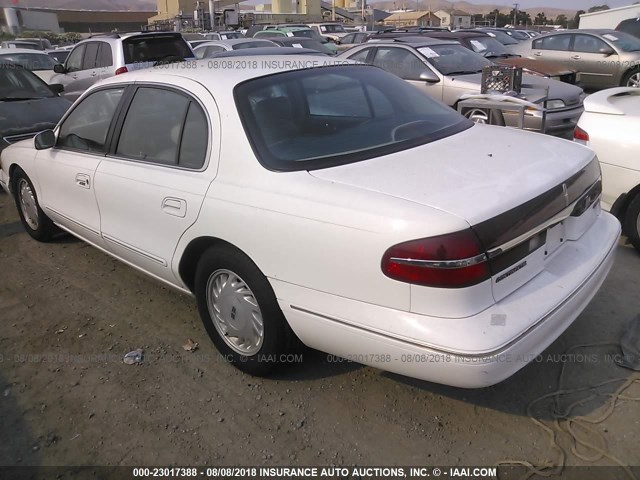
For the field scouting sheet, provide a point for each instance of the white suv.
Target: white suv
(105, 56)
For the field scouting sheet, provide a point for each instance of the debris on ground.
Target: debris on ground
(190, 345)
(133, 357)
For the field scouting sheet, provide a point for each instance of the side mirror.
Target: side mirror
(59, 68)
(429, 77)
(56, 88)
(607, 51)
(45, 140)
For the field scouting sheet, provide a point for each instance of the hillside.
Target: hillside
(112, 5)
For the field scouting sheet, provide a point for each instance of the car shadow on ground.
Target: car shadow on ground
(18, 447)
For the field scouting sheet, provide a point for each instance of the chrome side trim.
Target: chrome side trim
(444, 264)
(75, 222)
(133, 249)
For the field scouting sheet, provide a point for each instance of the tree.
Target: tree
(599, 8)
(522, 17)
(576, 19)
(541, 19)
(562, 20)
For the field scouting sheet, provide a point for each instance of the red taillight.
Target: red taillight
(580, 134)
(455, 260)
(121, 70)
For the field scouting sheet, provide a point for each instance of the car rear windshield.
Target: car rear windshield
(17, 83)
(330, 116)
(31, 61)
(454, 59)
(502, 37)
(147, 48)
(252, 44)
(307, 33)
(488, 47)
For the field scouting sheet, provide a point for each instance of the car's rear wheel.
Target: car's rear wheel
(34, 220)
(240, 313)
(632, 222)
(484, 116)
(631, 79)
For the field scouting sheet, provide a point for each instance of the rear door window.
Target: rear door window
(400, 62)
(164, 127)
(90, 55)
(588, 44)
(105, 56)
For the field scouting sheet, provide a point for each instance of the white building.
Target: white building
(454, 19)
(609, 18)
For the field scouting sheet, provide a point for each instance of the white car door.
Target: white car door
(152, 184)
(66, 173)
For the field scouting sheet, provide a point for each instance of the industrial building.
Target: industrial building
(609, 18)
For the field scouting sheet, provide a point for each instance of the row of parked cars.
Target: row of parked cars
(338, 202)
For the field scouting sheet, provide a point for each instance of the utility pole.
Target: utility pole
(515, 14)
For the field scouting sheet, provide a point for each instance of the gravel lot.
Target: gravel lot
(69, 313)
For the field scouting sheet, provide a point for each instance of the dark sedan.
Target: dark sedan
(27, 104)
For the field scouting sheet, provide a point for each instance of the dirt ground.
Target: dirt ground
(69, 314)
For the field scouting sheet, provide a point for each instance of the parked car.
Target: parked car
(212, 48)
(19, 44)
(268, 51)
(498, 34)
(27, 104)
(490, 48)
(295, 32)
(224, 35)
(529, 33)
(195, 43)
(519, 35)
(104, 56)
(351, 39)
(447, 71)
(331, 31)
(610, 126)
(38, 62)
(253, 29)
(41, 43)
(327, 48)
(335, 204)
(59, 56)
(630, 26)
(602, 58)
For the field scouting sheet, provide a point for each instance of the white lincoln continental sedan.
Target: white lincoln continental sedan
(335, 205)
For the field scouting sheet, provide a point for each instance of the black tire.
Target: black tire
(632, 222)
(278, 339)
(627, 77)
(495, 115)
(44, 230)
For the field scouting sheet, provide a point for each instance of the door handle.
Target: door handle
(575, 57)
(538, 54)
(174, 206)
(83, 180)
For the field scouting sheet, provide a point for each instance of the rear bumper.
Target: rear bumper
(558, 123)
(364, 333)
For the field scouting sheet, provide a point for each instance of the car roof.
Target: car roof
(11, 51)
(246, 52)
(455, 35)
(232, 41)
(224, 80)
(413, 41)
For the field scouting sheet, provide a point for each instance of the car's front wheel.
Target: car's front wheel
(631, 79)
(240, 313)
(34, 220)
(484, 116)
(632, 222)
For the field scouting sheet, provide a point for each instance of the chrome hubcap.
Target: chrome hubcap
(235, 313)
(634, 81)
(28, 204)
(478, 116)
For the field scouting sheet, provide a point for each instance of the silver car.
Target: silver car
(213, 48)
(447, 71)
(602, 58)
(104, 56)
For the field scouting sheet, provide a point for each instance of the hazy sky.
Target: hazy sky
(568, 4)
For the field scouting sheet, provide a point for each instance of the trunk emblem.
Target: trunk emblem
(566, 194)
